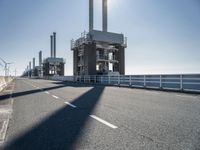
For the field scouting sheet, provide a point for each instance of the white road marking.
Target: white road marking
(104, 122)
(55, 97)
(70, 104)
(4, 129)
(46, 92)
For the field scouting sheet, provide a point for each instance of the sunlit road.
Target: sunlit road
(56, 115)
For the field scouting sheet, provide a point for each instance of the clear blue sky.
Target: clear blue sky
(163, 35)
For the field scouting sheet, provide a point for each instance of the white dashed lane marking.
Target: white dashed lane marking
(92, 116)
(104, 122)
(70, 104)
(46, 92)
(56, 97)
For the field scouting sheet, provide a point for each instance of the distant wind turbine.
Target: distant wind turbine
(1, 65)
(6, 67)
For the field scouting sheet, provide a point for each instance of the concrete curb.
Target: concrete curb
(4, 81)
(5, 109)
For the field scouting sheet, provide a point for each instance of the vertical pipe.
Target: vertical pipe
(105, 15)
(54, 44)
(30, 69)
(51, 45)
(91, 15)
(40, 58)
(33, 63)
(30, 65)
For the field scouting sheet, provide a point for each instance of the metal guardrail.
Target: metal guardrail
(185, 82)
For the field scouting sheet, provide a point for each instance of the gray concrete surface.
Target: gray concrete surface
(6, 103)
(44, 118)
(4, 81)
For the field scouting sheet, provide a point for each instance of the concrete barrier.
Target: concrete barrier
(4, 81)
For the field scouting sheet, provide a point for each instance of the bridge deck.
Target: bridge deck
(57, 115)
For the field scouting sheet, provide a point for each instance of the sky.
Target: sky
(163, 35)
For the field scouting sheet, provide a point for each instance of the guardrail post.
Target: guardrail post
(108, 79)
(101, 80)
(119, 80)
(95, 77)
(144, 81)
(89, 79)
(84, 78)
(130, 84)
(181, 82)
(161, 81)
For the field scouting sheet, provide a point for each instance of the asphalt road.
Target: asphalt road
(52, 115)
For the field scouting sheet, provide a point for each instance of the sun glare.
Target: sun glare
(112, 4)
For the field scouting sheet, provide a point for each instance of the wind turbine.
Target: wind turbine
(1, 65)
(6, 67)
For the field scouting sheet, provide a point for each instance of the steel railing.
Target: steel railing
(184, 82)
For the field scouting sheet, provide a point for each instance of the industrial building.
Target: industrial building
(99, 52)
(53, 65)
(37, 71)
(34, 71)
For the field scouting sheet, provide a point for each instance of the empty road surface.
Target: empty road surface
(52, 115)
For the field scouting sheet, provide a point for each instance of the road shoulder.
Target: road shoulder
(6, 108)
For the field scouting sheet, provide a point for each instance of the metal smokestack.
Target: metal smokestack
(91, 15)
(33, 63)
(40, 58)
(54, 44)
(30, 65)
(51, 45)
(105, 15)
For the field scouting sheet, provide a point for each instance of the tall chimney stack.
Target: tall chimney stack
(30, 65)
(54, 44)
(91, 15)
(33, 63)
(40, 58)
(105, 15)
(51, 45)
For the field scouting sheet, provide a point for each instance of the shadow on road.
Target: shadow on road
(24, 93)
(61, 130)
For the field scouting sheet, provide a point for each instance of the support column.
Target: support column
(105, 15)
(51, 45)
(33, 63)
(91, 15)
(54, 44)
